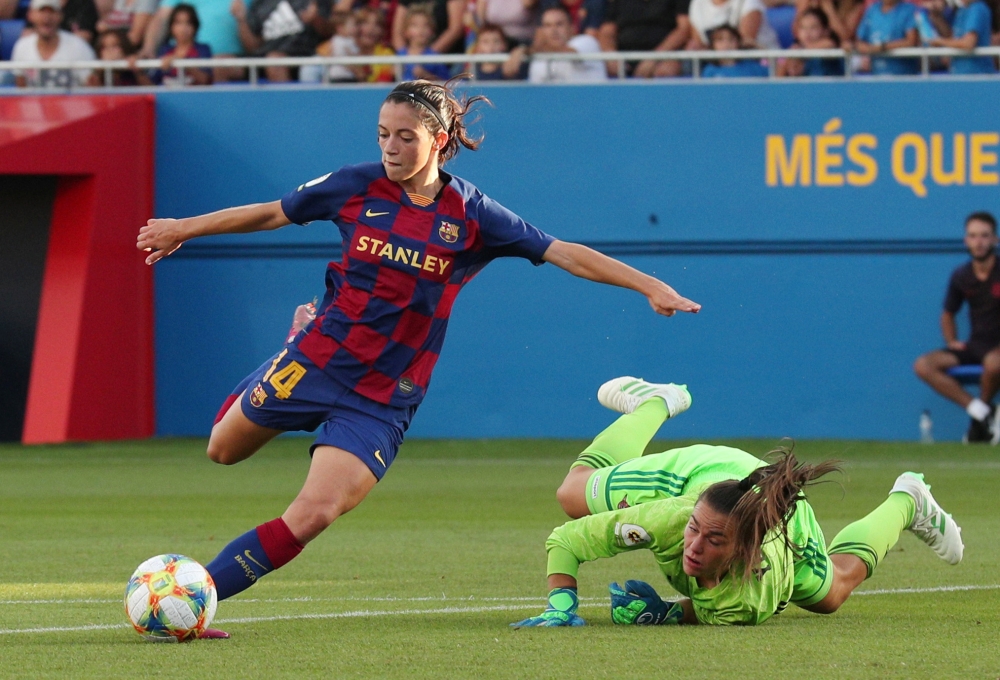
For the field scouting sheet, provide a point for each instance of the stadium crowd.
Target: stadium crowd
(77, 30)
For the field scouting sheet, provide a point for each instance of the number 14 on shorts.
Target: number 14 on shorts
(284, 381)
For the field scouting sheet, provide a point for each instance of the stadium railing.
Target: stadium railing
(696, 59)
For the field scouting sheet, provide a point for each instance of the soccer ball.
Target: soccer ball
(170, 597)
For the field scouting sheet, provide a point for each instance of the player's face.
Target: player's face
(980, 240)
(708, 544)
(407, 146)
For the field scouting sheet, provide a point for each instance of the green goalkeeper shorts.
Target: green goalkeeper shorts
(813, 568)
(676, 472)
(690, 470)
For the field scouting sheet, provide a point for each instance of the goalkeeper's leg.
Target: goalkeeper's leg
(624, 440)
(860, 546)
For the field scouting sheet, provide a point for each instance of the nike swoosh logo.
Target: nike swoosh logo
(379, 456)
(369, 213)
(250, 557)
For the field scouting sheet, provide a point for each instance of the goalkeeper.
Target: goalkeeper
(731, 533)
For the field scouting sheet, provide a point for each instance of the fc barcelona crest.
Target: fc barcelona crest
(448, 232)
(258, 395)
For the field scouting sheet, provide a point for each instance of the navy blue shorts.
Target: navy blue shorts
(288, 392)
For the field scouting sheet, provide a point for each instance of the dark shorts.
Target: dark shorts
(971, 355)
(288, 392)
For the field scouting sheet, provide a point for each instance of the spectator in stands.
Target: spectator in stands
(80, 18)
(517, 18)
(50, 43)
(748, 17)
(342, 44)
(888, 25)
(843, 17)
(132, 16)
(449, 21)
(114, 45)
(184, 25)
(726, 38)
(586, 15)
(8, 9)
(970, 29)
(491, 40)
(371, 33)
(978, 283)
(419, 31)
(282, 28)
(556, 35)
(813, 33)
(219, 31)
(933, 19)
(645, 25)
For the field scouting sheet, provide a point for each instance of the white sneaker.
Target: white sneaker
(624, 395)
(931, 524)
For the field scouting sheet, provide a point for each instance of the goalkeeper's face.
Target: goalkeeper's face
(708, 544)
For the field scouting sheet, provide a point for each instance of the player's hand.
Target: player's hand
(638, 604)
(160, 238)
(560, 612)
(956, 345)
(666, 301)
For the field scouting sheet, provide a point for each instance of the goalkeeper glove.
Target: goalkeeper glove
(560, 612)
(638, 604)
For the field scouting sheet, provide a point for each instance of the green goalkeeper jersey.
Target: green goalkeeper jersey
(658, 526)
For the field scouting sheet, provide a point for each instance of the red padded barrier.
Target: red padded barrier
(92, 368)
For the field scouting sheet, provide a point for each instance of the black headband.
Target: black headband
(423, 102)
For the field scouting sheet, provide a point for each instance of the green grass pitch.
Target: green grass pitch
(423, 578)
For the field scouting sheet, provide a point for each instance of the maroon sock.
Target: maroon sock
(280, 545)
(225, 407)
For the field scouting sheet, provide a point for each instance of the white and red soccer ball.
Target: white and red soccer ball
(170, 597)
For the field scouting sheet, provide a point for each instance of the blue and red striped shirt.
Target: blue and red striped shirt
(381, 325)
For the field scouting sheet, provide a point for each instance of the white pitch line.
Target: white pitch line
(250, 600)
(289, 617)
(473, 598)
(936, 589)
(63, 629)
(528, 603)
(366, 613)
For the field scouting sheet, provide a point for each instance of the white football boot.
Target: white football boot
(931, 524)
(624, 395)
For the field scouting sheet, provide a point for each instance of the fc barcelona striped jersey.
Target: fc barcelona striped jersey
(381, 325)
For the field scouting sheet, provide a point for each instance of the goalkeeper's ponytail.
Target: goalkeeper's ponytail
(761, 503)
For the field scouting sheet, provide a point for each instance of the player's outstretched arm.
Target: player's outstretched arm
(587, 263)
(162, 237)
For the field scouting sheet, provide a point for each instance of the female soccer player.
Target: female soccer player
(732, 534)
(413, 235)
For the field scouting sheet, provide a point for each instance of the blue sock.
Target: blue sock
(239, 565)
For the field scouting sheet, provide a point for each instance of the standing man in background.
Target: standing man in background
(978, 283)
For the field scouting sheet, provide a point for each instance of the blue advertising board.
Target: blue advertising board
(816, 222)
